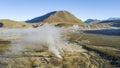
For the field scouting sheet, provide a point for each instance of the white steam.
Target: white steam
(47, 35)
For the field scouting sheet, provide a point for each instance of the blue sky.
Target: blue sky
(26, 9)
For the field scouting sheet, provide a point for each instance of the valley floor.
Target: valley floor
(88, 51)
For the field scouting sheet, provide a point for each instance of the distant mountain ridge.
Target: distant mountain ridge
(113, 18)
(59, 17)
(91, 21)
(112, 22)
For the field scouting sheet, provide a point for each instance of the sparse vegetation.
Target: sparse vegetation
(14, 24)
(108, 47)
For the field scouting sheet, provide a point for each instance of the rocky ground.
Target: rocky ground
(46, 59)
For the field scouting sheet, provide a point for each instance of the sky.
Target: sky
(22, 10)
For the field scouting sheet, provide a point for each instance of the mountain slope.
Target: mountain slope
(6, 23)
(57, 17)
(111, 22)
(41, 18)
(114, 23)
